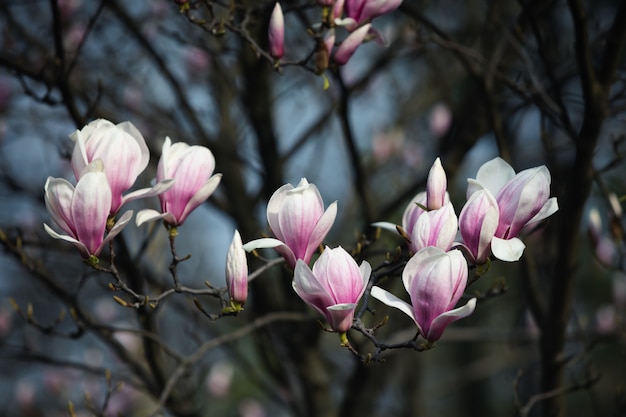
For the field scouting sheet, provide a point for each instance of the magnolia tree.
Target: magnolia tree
(208, 274)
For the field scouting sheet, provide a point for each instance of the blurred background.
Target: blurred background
(535, 82)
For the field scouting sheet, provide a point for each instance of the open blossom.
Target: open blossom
(192, 168)
(297, 218)
(435, 281)
(333, 287)
(123, 152)
(82, 211)
(276, 32)
(358, 12)
(523, 200)
(478, 223)
(237, 271)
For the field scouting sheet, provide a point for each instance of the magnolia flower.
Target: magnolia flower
(333, 287)
(123, 152)
(478, 223)
(297, 218)
(435, 281)
(82, 211)
(523, 200)
(237, 272)
(191, 167)
(276, 32)
(358, 12)
(435, 228)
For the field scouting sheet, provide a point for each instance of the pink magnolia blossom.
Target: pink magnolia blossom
(237, 271)
(358, 12)
(435, 228)
(435, 281)
(276, 32)
(82, 211)
(124, 154)
(333, 287)
(297, 218)
(523, 200)
(192, 168)
(478, 223)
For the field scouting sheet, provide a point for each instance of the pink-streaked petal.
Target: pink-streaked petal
(58, 198)
(323, 226)
(508, 250)
(341, 316)
(90, 208)
(443, 320)
(349, 23)
(308, 287)
(120, 224)
(273, 208)
(346, 49)
(201, 196)
(548, 209)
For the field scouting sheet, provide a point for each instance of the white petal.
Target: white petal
(392, 227)
(157, 189)
(391, 300)
(264, 243)
(508, 250)
(148, 215)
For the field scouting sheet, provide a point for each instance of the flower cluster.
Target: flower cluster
(353, 15)
(500, 206)
(107, 160)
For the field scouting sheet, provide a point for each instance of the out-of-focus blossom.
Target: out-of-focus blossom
(197, 62)
(478, 223)
(440, 120)
(523, 200)
(346, 49)
(124, 154)
(191, 167)
(297, 218)
(436, 187)
(435, 281)
(82, 211)
(358, 12)
(333, 287)
(237, 272)
(220, 378)
(276, 32)
(435, 228)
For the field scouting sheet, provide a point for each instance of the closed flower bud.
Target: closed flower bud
(276, 32)
(237, 272)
